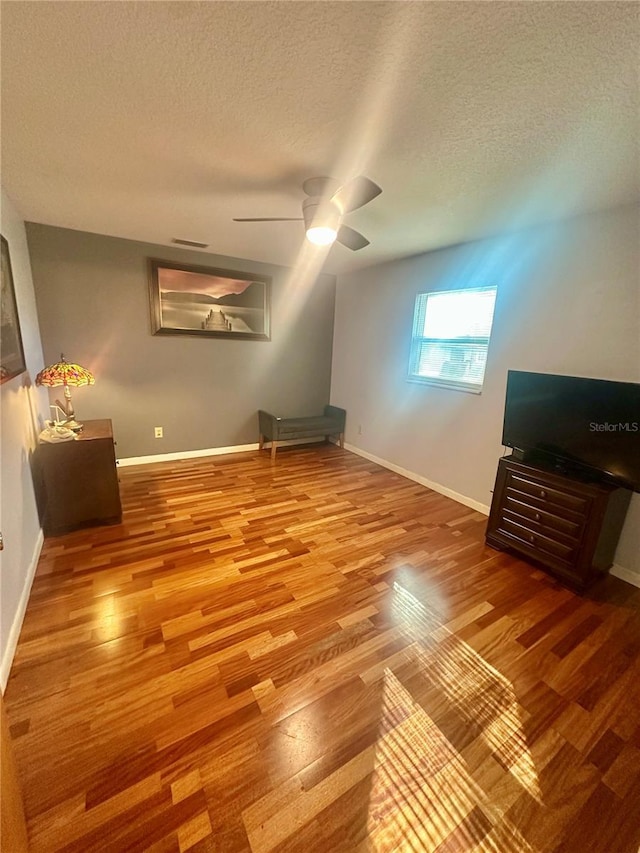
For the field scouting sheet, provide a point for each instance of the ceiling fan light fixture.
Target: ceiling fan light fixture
(322, 220)
(321, 235)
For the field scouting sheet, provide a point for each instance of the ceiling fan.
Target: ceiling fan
(325, 207)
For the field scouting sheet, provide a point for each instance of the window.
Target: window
(450, 340)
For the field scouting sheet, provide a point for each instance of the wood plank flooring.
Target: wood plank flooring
(318, 655)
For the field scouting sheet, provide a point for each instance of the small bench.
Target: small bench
(276, 430)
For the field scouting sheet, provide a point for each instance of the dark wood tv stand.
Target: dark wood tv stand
(568, 525)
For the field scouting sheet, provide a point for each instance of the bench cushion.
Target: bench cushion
(312, 426)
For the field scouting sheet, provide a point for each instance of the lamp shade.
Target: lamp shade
(64, 373)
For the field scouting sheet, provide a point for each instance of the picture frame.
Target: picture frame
(209, 302)
(12, 362)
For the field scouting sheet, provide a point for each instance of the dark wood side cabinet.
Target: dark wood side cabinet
(79, 480)
(569, 526)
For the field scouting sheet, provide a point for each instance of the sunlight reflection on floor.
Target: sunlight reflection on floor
(423, 797)
(481, 694)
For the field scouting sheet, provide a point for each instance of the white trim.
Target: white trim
(625, 574)
(16, 626)
(440, 383)
(208, 451)
(185, 454)
(410, 475)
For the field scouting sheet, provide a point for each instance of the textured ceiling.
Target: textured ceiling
(157, 120)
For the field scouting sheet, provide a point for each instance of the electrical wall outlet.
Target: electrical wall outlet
(157, 431)
(359, 429)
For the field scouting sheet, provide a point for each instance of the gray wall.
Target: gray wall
(93, 304)
(568, 302)
(23, 409)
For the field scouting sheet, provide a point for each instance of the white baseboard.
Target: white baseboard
(625, 574)
(208, 451)
(16, 625)
(185, 454)
(410, 475)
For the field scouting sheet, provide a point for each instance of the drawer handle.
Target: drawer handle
(543, 494)
(532, 539)
(537, 516)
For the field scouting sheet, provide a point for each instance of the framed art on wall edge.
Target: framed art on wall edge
(12, 361)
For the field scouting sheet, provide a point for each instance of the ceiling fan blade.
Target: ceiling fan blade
(351, 239)
(322, 186)
(356, 193)
(271, 219)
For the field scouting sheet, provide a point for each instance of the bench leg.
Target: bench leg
(341, 438)
(274, 445)
(260, 441)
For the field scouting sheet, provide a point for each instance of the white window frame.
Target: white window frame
(417, 339)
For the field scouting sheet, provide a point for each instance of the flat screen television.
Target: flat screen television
(590, 427)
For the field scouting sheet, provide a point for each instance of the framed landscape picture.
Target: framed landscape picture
(11, 350)
(192, 300)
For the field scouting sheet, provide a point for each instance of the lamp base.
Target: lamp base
(73, 425)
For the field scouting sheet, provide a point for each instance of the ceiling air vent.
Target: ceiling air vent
(193, 243)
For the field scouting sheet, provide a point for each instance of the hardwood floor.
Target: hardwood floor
(318, 655)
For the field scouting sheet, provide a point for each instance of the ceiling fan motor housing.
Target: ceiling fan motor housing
(318, 211)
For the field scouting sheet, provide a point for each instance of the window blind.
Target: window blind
(450, 341)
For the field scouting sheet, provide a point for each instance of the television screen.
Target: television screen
(588, 424)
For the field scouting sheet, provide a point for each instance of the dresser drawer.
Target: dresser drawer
(546, 497)
(569, 527)
(537, 528)
(541, 543)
